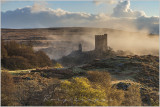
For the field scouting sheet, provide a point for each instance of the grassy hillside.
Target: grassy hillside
(112, 78)
(132, 75)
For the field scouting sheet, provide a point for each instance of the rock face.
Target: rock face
(123, 86)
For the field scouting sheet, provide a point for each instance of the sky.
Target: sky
(134, 15)
(150, 7)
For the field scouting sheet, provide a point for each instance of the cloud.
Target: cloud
(3, 1)
(39, 6)
(148, 23)
(123, 10)
(31, 16)
(98, 2)
(140, 20)
(39, 16)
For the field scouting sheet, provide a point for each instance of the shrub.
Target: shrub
(3, 52)
(80, 92)
(7, 90)
(16, 62)
(32, 59)
(113, 96)
(43, 59)
(12, 48)
(154, 103)
(132, 96)
(57, 65)
(32, 92)
(18, 56)
(100, 77)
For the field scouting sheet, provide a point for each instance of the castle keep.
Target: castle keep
(101, 43)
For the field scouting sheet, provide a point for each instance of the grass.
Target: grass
(125, 81)
(18, 71)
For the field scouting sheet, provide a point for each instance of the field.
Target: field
(122, 78)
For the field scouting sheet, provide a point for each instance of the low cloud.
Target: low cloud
(39, 16)
(151, 24)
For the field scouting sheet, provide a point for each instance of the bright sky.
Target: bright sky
(151, 7)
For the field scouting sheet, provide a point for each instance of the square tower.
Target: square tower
(101, 43)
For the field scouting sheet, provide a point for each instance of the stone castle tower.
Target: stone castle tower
(101, 43)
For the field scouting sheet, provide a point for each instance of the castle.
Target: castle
(79, 56)
(101, 43)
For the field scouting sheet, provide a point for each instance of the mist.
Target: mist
(67, 40)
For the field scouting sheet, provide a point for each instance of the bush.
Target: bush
(100, 77)
(32, 59)
(7, 90)
(3, 52)
(94, 91)
(132, 96)
(33, 92)
(18, 56)
(114, 96)
(16, 62)
(57, 65)
(43, 59)
(12, 48)
(80, 92)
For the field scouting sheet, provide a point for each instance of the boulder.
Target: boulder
(123, 86)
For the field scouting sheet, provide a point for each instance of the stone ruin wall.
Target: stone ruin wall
(101, 43)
